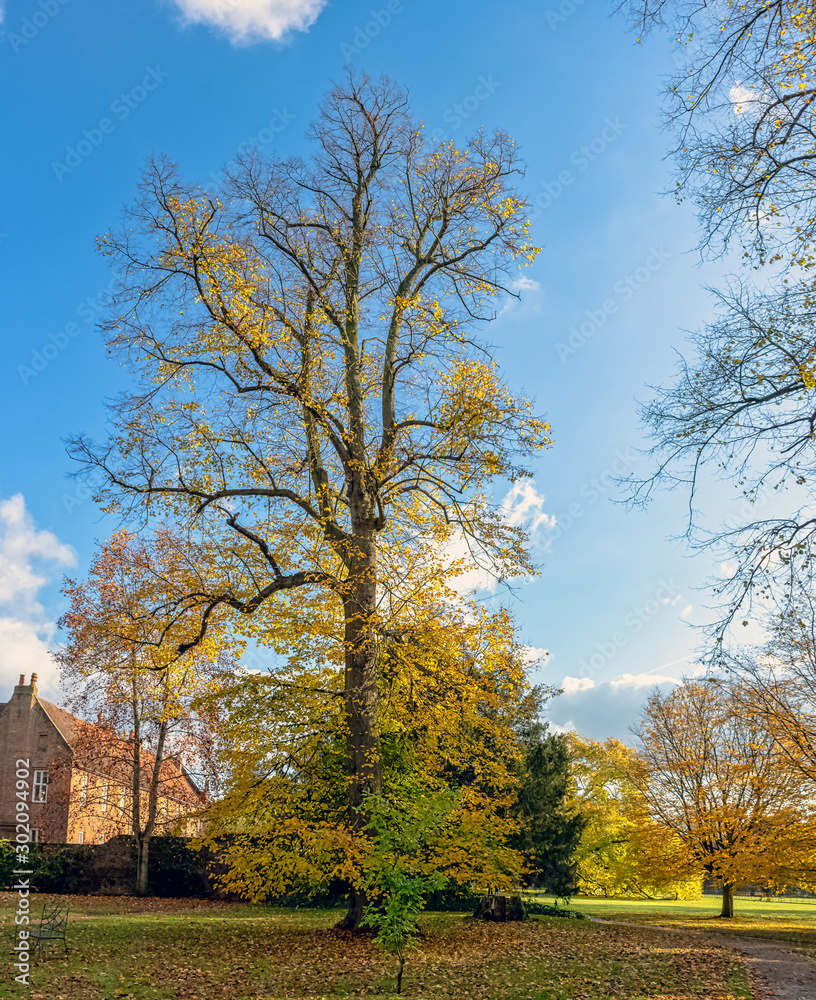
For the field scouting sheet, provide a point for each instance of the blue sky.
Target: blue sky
(92, 88)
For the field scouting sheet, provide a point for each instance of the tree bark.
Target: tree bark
(727, 900)
(354, 914)
(363, 764)
(143, 851)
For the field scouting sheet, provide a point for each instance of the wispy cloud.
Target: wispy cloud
(246, 21)
(637, 681)
(27, 558)
(524, 284)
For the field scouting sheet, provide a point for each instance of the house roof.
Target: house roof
(68, 726)
(175, 776)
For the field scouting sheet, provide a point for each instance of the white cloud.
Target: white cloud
(477, 576)
(25, 632)
(252, 20)
(574, 685)
(524, 505)
(534, 653)
(601, 710)
(568, 727)
(687, 611)
(525, 284)
(637, 681)
(24, 649)
(742, 98)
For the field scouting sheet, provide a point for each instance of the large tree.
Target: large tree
(549, 830)
(315, 409)
(713, 776)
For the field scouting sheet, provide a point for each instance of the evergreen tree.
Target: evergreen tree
(548, 833)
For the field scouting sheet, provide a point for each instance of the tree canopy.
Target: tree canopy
(315, 412)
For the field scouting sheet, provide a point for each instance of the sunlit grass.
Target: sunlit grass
(192, 950)
(776, 919)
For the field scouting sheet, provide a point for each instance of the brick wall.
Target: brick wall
(27, 733)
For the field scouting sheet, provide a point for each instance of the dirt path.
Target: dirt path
(775, 972)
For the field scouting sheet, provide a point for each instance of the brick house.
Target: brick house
(81, 776)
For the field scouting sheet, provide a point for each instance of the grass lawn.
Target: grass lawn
(196, 950)
(792, 924)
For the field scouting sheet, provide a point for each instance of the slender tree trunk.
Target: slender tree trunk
(727, 900)
(143, 849)
(363, 765)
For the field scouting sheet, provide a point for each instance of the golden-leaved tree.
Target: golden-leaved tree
(452, 688)
(622, 850)
(713, 775)
(315, 410)
(152, 738)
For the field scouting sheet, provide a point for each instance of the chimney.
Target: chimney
(22, 680)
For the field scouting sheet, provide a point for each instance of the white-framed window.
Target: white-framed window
(101, 838)
(122, 801)
(103, 799)
(39, 792)
(34, 836)
(83, 791)
(178, 809)
(81, 837)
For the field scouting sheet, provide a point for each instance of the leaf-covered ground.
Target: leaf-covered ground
(189, 950)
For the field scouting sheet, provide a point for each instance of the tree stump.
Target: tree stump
(500, 908)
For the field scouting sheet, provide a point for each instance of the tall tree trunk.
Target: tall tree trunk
(363, 764)
(727, 900)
